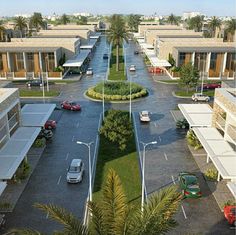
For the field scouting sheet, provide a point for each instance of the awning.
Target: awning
(232, 188)
(91, 44)
(36, 115)
(219, 151)
(78, 60)
(3, 185)
(197, 115)
(14, 151)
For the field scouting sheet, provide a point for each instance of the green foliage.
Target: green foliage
(39, 143)
(36, 21)
(211, 174)
(182, 124)
(5, 205)
(188, 76)
(173, 20)
(171, 60)
(117, 127)
(82, 20)
(193, 140)
(214, 23)
(230, 203)
(59, 69)
(20, 24)
(64, 19)
(133, 22)
(22, 171)
(147, 61)
(196, 23)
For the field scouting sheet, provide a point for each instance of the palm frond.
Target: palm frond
(157, 216)
(23, 232)
(72, 225)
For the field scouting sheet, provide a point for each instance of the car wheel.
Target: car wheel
(62, 105)
(234, 223)
(49, 127)
(195, 100)
(71, 109)
(207, 99)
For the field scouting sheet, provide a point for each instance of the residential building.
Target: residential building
(188, 15)
(89, 26)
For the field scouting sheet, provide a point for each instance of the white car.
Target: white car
(144, 116)
(89, 71)
(200, 97)
(132, 68)
(75, 171)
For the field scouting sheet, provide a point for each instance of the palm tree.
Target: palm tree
(36, 21)
(173, 20)
(2, 32)
(230, 28)
(113, 215)
(20, 24)
(65, 19)
(214, 23)
(196, 23)
(117, 33)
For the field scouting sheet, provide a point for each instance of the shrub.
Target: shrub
(5, 205)
(193, 140)
(39, 143)
(230, 203)
(22, 171)
(211, 174)
(182, 124)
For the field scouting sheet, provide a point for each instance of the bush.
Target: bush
(211, 174)
(182, 124)
(5, 205)
(39, 143)
(230, 203)
(193, 140)
(22, 171)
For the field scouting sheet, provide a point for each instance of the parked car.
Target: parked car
(50, 124)
(230, 214)
(75, 171)
(211, 86)
(105, 56)
(189, 185)
(89, 71)
(144, 116)
(47, 134)
(70, 106)
(132, 68)
(136, 52)
(200, 97)
(36, 82)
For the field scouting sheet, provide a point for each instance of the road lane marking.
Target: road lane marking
(166, 157)
(173, 179)
(73, 138)
(160, 138)
(47, 215)
(59, 180)
(183, 212)
(77, 125)
(67, 156)
(155, 124)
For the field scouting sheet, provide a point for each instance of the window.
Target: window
(1, 62)
(213, 61)
(19, 61)
(13, 118)
(3, 132)
(30, 59)
(181, 58)
(231, 61)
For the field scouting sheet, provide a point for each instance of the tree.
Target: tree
(82, 20)
(214, 23)
(21, 24)
(65, 19)
(117, 34)
(173, 20)
(117, 127)
(113, 215)
(189, 76)
(196, 23)
(133, 22)
(36, 21)
(2, 32)
(171, 60)
(230, 28)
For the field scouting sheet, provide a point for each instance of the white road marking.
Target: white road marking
(155, 124)
(59, 180)
(67, 156)
(73, 138)
(173, 179)
(77, 125)
(166, 157)
(160, 138)
(47, 215)
(183, 212)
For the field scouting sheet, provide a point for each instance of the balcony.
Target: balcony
(220, 121)
(231, 131)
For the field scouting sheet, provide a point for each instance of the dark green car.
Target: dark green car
(189, 185)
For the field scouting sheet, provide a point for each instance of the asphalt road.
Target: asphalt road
(163, 161)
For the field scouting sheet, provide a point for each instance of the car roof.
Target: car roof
(76, 162)
(190, 178)
(144, 112)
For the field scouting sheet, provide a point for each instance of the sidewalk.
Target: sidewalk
(13, 191)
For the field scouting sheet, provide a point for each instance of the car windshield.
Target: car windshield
(193, 186)
(90, 69)
(191, 180)
(72, 103)
(74, 169)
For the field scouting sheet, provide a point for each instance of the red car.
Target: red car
(50, 124)
(70, 106)
(230, 214)
(211, 86)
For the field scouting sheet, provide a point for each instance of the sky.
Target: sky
(145, 7)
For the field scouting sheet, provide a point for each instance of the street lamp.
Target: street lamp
(90, 169)
(46, 67)
(130, 99)
(143, 170)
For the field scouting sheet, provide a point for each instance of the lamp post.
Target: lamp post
(43, 89)
(46, 67)
(90, 169)
(130, 99)
(143, 170)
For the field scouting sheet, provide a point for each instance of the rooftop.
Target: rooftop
(6, 92)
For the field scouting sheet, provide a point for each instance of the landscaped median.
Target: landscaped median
(38, 93)
(189, 94)
(116, 91)
(118, 151)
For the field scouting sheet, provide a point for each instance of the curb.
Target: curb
(181, 97)
(167, 83)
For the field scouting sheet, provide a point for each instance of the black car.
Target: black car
(105, 56)
(37, 82)
(136, 52)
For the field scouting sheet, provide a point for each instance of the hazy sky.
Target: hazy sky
(161, 7)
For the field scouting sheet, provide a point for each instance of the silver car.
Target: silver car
(144, 116)
(75, 171)
(200, 97)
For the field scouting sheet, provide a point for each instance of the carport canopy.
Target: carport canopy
(14, 151)
(3, 185)
(78, 60)
(219, 151)
(232, 188)
(36, 115)
(197, 115)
